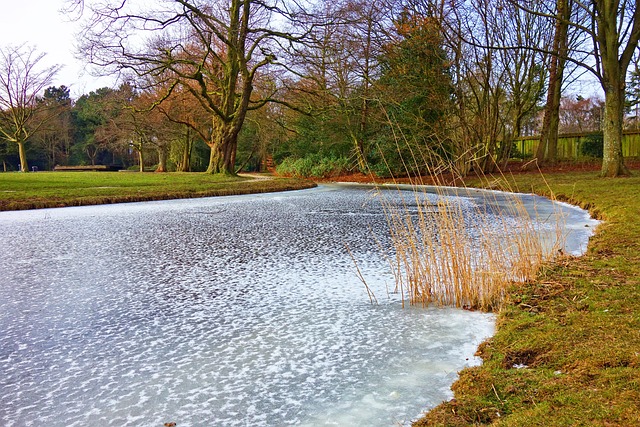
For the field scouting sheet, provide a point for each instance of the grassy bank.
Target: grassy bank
(57, 189)
(567, 347)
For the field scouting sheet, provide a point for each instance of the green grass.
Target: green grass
(57, 189)
(576, 327)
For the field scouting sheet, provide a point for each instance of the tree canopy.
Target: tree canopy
(393, 87)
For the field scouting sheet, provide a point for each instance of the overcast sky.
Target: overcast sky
(39, 23)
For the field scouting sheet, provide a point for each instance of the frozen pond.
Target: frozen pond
(234, 311)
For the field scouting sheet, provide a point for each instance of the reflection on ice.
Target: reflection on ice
(219, 312)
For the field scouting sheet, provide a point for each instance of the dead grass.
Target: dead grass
(448, 253)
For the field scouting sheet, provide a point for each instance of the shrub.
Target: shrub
(313, 166)
(593, 145)
(381, 170)
(285, 167)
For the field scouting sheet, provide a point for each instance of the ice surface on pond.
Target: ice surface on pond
(229, 311)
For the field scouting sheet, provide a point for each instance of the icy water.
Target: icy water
(234, 311)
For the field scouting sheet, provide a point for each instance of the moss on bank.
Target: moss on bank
(58, 189)
(567, 346)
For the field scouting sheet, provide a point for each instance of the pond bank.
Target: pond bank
(60, 189)
(566, 347)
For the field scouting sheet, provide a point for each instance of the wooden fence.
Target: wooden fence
(569, 144)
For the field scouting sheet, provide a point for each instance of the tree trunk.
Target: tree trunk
(362, 131)
(613, 161)
(490, 163)
(91, 153)
(614, 71)
(52, 159)
(222, 159)
(548, 147)
(141, 159)
(506, 147)
(554, 121)
(223, 148)
(185, 163)
(549, 132)
(162, 159)
(364, 113)
(23, 157)
(215, 159)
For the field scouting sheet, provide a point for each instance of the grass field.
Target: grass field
(57, 189)
(567, 347)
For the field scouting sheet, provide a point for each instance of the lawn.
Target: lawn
(567, 346)
(57, 189)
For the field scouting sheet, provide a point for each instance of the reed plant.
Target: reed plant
(450, 251)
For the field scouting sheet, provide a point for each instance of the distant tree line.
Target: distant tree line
(390, 87)
(102, 128)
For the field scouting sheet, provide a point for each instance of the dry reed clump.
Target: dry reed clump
(450, 251)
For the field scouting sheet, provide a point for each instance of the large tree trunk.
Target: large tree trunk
(215, 159)
(614, 71)
(222, 158)
(224, 135)
(223, 150)
(613, 161)
(24, 167)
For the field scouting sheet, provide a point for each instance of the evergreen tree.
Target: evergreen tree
(415, 94)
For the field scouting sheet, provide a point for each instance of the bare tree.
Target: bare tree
(613, 30)
(549, 133)
(368, 31)
(22, 78)
(495, 89)
(335, 68)
(524, 71)
(480, 78)
(615, 34)
(580, 115)
(212, 49)
(602, 38)
(185, 119)
(125, 126)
